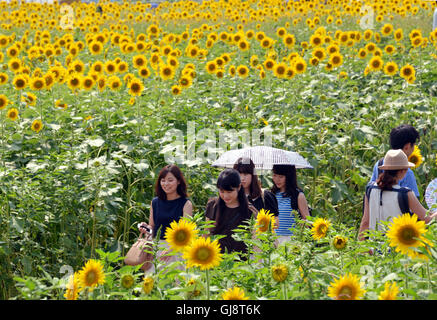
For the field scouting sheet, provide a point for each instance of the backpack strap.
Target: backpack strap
(402, 196)
(403, 199)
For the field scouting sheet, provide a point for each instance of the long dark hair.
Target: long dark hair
(246, 165)
(228, 180)
(182, 187)
(289, 171)
(387, 179)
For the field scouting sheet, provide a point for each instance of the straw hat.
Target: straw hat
(396, 160)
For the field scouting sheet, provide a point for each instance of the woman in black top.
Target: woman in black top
(260, 199)
(229, 210)
(170, 204)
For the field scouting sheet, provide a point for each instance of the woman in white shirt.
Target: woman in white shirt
(381, 201)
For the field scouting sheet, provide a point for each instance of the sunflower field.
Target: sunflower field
(94, 97)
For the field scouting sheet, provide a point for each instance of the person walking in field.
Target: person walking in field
(170, 204)
(385, 198)
(229, 210)
(259, 198)
(290, 197)
(403, 137)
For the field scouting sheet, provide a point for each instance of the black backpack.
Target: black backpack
(402, 196)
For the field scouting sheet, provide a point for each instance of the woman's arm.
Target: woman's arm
(188, 209)
(302, 204)
(417, 208)
(364, 221)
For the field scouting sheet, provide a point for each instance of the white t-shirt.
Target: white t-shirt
(385, 212)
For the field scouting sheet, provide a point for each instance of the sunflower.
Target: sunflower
(339, 242)
(389, 49)
(280, 70)
(316, 40)
(390, 68)
(398, 35)
(166, 72)
(114, 83)
(243, 45)
(36, 125)
(269, 64)
(95, 47)
(185, 81)
(266, 43)
(407, 71)
(60, 104)
(416, 157)
(279, 272)
(234, 293)
(88, 82)
(336, 60)
(203, 253)
(136, 87)
(4, 101)
(320, 228)
(180, 234)
(148, 283)
(20, 81)
(211, 67)
(242, 71)
(289, 40)
(15, 64)
(406, 233)
(376, 63)
(290, 73)
(110, 67)
(92, 274)
(347, 287)
(264, 220)
(12, 114)
(74, 81)
(127, 281)
(300, 65)
(73, 287)
(176, 90)
(139, 61)
(387, 29)
(319, 53)
(390, 291)
(3, 78)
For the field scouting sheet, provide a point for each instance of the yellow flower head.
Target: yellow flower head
(234, 293)
(406, 233)
(92, 274)
(279, 272)
(346, 287)
(203, 253)
(339, 242)
(148, 284)
(73, 287)
(264, 220)
(416, 157)
(180, 234)
(320, 228)
(390, 291)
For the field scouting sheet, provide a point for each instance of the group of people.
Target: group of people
(241, 196)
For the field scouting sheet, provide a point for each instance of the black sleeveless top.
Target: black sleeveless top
(165, 212)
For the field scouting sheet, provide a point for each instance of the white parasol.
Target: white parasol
(263, 157)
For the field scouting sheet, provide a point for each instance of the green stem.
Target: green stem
(208, 296)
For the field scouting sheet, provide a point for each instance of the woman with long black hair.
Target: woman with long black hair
(259, 198)
(229, 210)
(290, 197)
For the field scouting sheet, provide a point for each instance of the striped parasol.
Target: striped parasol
(263, 157)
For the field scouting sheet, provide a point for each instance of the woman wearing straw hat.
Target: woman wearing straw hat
(383, 199)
